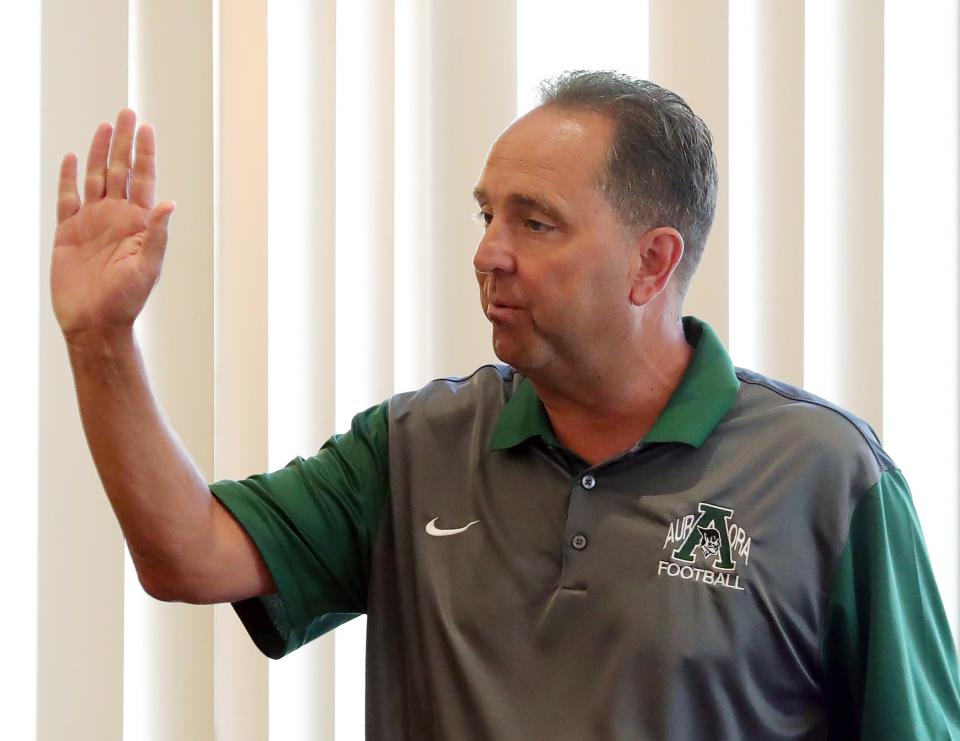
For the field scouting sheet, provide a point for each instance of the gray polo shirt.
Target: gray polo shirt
(752, 569)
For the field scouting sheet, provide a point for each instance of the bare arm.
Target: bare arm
(106, 260)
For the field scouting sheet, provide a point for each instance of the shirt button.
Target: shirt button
(588, 482)
(579, 541)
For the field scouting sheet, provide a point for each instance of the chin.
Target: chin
(517, 355)
(506, 350)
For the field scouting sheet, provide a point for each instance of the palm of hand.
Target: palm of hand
(107, 253)
(99, 272)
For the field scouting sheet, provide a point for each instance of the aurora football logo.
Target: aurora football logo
(706, 547)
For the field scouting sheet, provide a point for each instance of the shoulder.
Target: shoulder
(809, 426)
(488, 388)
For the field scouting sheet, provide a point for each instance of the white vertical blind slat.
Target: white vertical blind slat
(414, 346)
(301, 188)
(19, 330)
(765, 184)
(364, 207)
(557, 37)
(80, 569)
(171, 86)
(843, 201)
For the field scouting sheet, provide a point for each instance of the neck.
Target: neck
(601, 409)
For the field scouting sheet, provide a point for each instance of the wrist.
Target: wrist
(99, 339)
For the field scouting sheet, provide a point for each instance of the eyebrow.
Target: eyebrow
(525, 200)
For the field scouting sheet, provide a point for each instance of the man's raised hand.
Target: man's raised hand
(107, 251)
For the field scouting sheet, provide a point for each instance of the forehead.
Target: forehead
(548, 149)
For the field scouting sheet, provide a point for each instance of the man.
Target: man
(617, 535)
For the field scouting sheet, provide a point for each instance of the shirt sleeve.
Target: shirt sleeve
(890, 662)
(314, 522)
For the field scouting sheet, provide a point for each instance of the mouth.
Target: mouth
(502, 312)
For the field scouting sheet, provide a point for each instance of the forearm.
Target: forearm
(159, 497)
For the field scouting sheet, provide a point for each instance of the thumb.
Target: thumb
(155, 240)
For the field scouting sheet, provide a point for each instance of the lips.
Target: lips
(499, 300)
(499, 308)
(501, 312)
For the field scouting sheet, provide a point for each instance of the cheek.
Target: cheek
(569, 289)
(549, 286)
(594, 298)
(482, 283)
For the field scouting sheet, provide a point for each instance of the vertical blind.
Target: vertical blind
(322, 157)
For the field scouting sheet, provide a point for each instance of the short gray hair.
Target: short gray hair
(660, 170)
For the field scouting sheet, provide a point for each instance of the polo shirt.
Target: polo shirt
(753, 568)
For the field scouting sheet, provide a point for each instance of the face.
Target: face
(554, 261)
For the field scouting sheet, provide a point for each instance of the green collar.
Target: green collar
(705, 394)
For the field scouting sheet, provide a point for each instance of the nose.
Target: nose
(495, 251)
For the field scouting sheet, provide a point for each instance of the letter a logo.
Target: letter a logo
(714, 520)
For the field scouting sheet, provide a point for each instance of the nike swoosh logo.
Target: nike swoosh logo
(434, 530)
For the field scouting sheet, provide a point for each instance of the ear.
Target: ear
(658, 252)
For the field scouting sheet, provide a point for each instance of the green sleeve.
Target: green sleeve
(314, 522)
(891, 667)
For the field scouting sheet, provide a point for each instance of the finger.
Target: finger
(68, 200)
(93, 184)
(143, 182)
(118, 171)
(155, 240)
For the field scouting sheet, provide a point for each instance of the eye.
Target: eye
(484, 218)
(538, 227)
